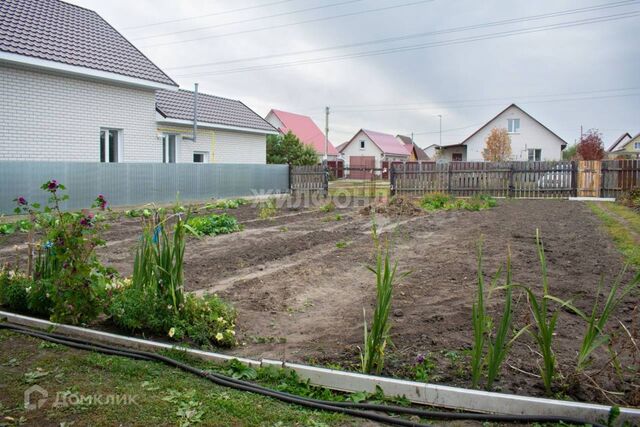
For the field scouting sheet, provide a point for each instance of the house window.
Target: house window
(110, 145)
(636, 145)
(169, 148)
(514, 125)
(200, 157)
(456, 157)
(535, 154)
(362, 144)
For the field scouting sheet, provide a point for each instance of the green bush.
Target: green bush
(631, 199)
(212, 225)
(435, 201)
(205, 321)
(13, 291)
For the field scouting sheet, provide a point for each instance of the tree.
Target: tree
(288, 149)
(497, 146)
(591, 146)
(570, 153)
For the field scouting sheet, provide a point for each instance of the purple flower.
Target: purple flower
(87, 220)
(420, 359)
(52, 185)
(21, 201)
(101, 202)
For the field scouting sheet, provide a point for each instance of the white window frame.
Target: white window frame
(636, 145)
(205, 157)
(362, 144)
(165, 147)
(534, 150)
(119, 148)
(511, 125)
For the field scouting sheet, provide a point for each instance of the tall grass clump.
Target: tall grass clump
(595, 335)
(377, 337)
(490, 345)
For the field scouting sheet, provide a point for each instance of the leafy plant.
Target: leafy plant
(341, 244)
(376, 338)
(212, 225)
(441, 201)
(268, 209)
(423, 367)
(435, 201)
(227, 204)
(329, 207)
(479, 319)
(7, 228)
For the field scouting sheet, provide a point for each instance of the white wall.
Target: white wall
(370, 149)
(239, 147)
(531, 135)
(52, 117)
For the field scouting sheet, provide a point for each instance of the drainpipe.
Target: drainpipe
(195, 112)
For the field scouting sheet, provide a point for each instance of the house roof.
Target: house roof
(564, 143)
(385, 142)
(211, 109)
(305, 129)
(53, 30)
(412, 146)
(619, 140)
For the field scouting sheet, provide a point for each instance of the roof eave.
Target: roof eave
(74, 70)
(171, 121)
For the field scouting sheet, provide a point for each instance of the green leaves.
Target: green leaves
(212, 225)
(288, 149)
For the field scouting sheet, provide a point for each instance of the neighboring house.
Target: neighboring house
(530, 139)
(72, 88)
(430, 151)
(305, 129)
(228, 130)
(625, 147)
(415, 153)
(369, 149)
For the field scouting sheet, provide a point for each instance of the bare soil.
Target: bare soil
(300, 296)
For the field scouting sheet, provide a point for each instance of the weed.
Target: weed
(226, 204)
(329, 207)
(212, 225)
(341, 244)
(441, 201)
(268, 210)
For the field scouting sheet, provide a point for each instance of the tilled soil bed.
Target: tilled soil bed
(300, 283)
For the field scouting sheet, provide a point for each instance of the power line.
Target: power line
(418, 35)
(243, 21)
(224, 12)
(308, 21)
(461, 102)
(463, 40)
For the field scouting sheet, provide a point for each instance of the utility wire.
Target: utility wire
(224, 12)
(343, 107)
(308, 21)
(462, 40)
(243, 21)
(418, 35)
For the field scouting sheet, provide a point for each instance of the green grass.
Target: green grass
(164, 395)
(625, 234)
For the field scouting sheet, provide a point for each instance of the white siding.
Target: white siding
(531, 135)
(239, 147)
(53, 117)
(370, 149)
(273, 120)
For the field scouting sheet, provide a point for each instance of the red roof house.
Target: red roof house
(303, 127)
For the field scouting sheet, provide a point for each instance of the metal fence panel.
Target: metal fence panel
(125, 184)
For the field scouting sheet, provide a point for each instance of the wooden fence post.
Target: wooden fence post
(392, 180)
(450, 173)
(325, 183)
(512, 189)
(290, 183)
(574, 178)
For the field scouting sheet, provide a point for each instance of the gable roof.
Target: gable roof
(385, 142)
(39, 31)
(564, 143)
(619, 140)
(305, 129)
(413, 147)
(215, 110)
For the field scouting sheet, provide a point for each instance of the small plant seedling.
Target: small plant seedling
(341, 244)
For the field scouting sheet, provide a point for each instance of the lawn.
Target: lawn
(623, 224)
(161, 395)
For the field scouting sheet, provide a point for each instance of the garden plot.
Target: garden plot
(299, 283)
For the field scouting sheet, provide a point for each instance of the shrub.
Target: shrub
(212, 225)
(65, 259)
(13, 290)
(435, 201)
(630, 199)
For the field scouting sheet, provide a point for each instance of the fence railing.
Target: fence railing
(313, 178)
(559, 179)
(125, 184)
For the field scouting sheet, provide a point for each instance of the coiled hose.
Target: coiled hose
(361, 410)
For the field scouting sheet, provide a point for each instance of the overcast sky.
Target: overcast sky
(454, 58)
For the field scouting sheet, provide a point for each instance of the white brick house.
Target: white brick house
(530, 139)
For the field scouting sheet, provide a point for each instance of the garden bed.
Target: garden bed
(299, 284)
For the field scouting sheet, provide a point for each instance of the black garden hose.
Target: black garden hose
(360, 410)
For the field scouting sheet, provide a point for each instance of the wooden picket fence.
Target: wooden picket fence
(313, 178)
(558, 179)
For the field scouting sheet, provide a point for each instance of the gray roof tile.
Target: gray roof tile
(61, 32)
(211, 109)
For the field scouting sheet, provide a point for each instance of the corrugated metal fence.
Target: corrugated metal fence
(126, 184)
